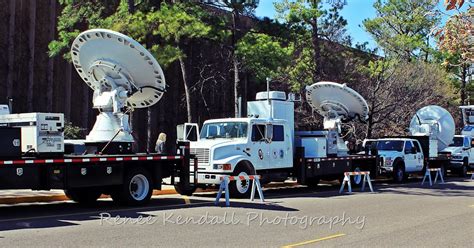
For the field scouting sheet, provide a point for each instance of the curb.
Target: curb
(62, 197)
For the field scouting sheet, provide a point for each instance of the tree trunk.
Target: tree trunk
(186, 89)
(31, 48)
(131, 6)
(316, 49)
(85, 106)
(235, 61)
(50, 72)
(67, 91)
(11, 48)
(463, 84)
(370, 126)
(236, 84)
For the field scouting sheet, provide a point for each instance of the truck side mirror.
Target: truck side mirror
(413, 150)
(269, 133)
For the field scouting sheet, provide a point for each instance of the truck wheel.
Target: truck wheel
(241, 188)
(312, 182)
(83, 196)
(463, 171)
(399, 173)
(444, 172)
(136, 189)
(183, 190)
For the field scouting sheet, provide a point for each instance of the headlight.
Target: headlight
(388, 161)
(222, 167)
(457, 156)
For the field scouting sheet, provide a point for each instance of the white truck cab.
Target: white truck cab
(461, 154)
(400, 156)
(262, 143)
(265, 143)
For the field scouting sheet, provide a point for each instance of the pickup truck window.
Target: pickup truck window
(390, 145)
(278, 133)
(417, 145)
(224, 130)
(457, 141)
(408, 147)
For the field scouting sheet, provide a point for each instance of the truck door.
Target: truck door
(468, 143)
(419, 156)
(280, 148)
(187, 132)
(410, 156)
(260, 147)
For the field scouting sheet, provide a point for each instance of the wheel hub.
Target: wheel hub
(242, 185)
(139, 187)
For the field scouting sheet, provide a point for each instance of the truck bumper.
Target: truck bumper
(456, 164)
(207, 178)
(385, 170)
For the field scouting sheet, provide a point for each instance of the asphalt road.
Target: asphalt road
(396, 215)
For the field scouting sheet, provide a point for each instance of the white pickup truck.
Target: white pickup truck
(400, 157)
(461, 153)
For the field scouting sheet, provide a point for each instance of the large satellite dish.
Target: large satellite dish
(436, 122)
(332, 100)
(100, 53)
(123, 75)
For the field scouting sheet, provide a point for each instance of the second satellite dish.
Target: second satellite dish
(436, 122)
(333, 100)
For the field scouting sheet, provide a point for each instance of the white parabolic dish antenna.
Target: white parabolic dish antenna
(123, 75)
(436, 122)
(336, 101)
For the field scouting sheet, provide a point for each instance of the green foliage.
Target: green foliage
(305, 22)
(72, 132)
(263, 55)
(160, 30)
(85, 12)
(300, 72)
(402, 27)
(177, 22)
(378, 68)
(299, 12)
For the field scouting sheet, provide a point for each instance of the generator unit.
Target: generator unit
(41, 133)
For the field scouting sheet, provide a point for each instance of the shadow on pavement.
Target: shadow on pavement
(412, 186)
(65, 214)
(62, 214)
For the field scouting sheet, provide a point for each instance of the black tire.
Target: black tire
(83, 196)
(464, 169)
(312, 182)
(236, 187)
(183, 190)
(399, 173)
(136, 190)
(444, 172)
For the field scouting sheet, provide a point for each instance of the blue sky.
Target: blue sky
(354, 12)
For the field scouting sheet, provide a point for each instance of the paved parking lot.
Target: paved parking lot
(396, 215)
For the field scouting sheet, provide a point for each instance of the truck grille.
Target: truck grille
(202, 155)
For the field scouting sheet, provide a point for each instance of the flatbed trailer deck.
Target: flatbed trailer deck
(95, 174)
(332, 168)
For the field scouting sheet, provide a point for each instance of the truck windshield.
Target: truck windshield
(390, 145)
(224, 130)
(457, 141)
